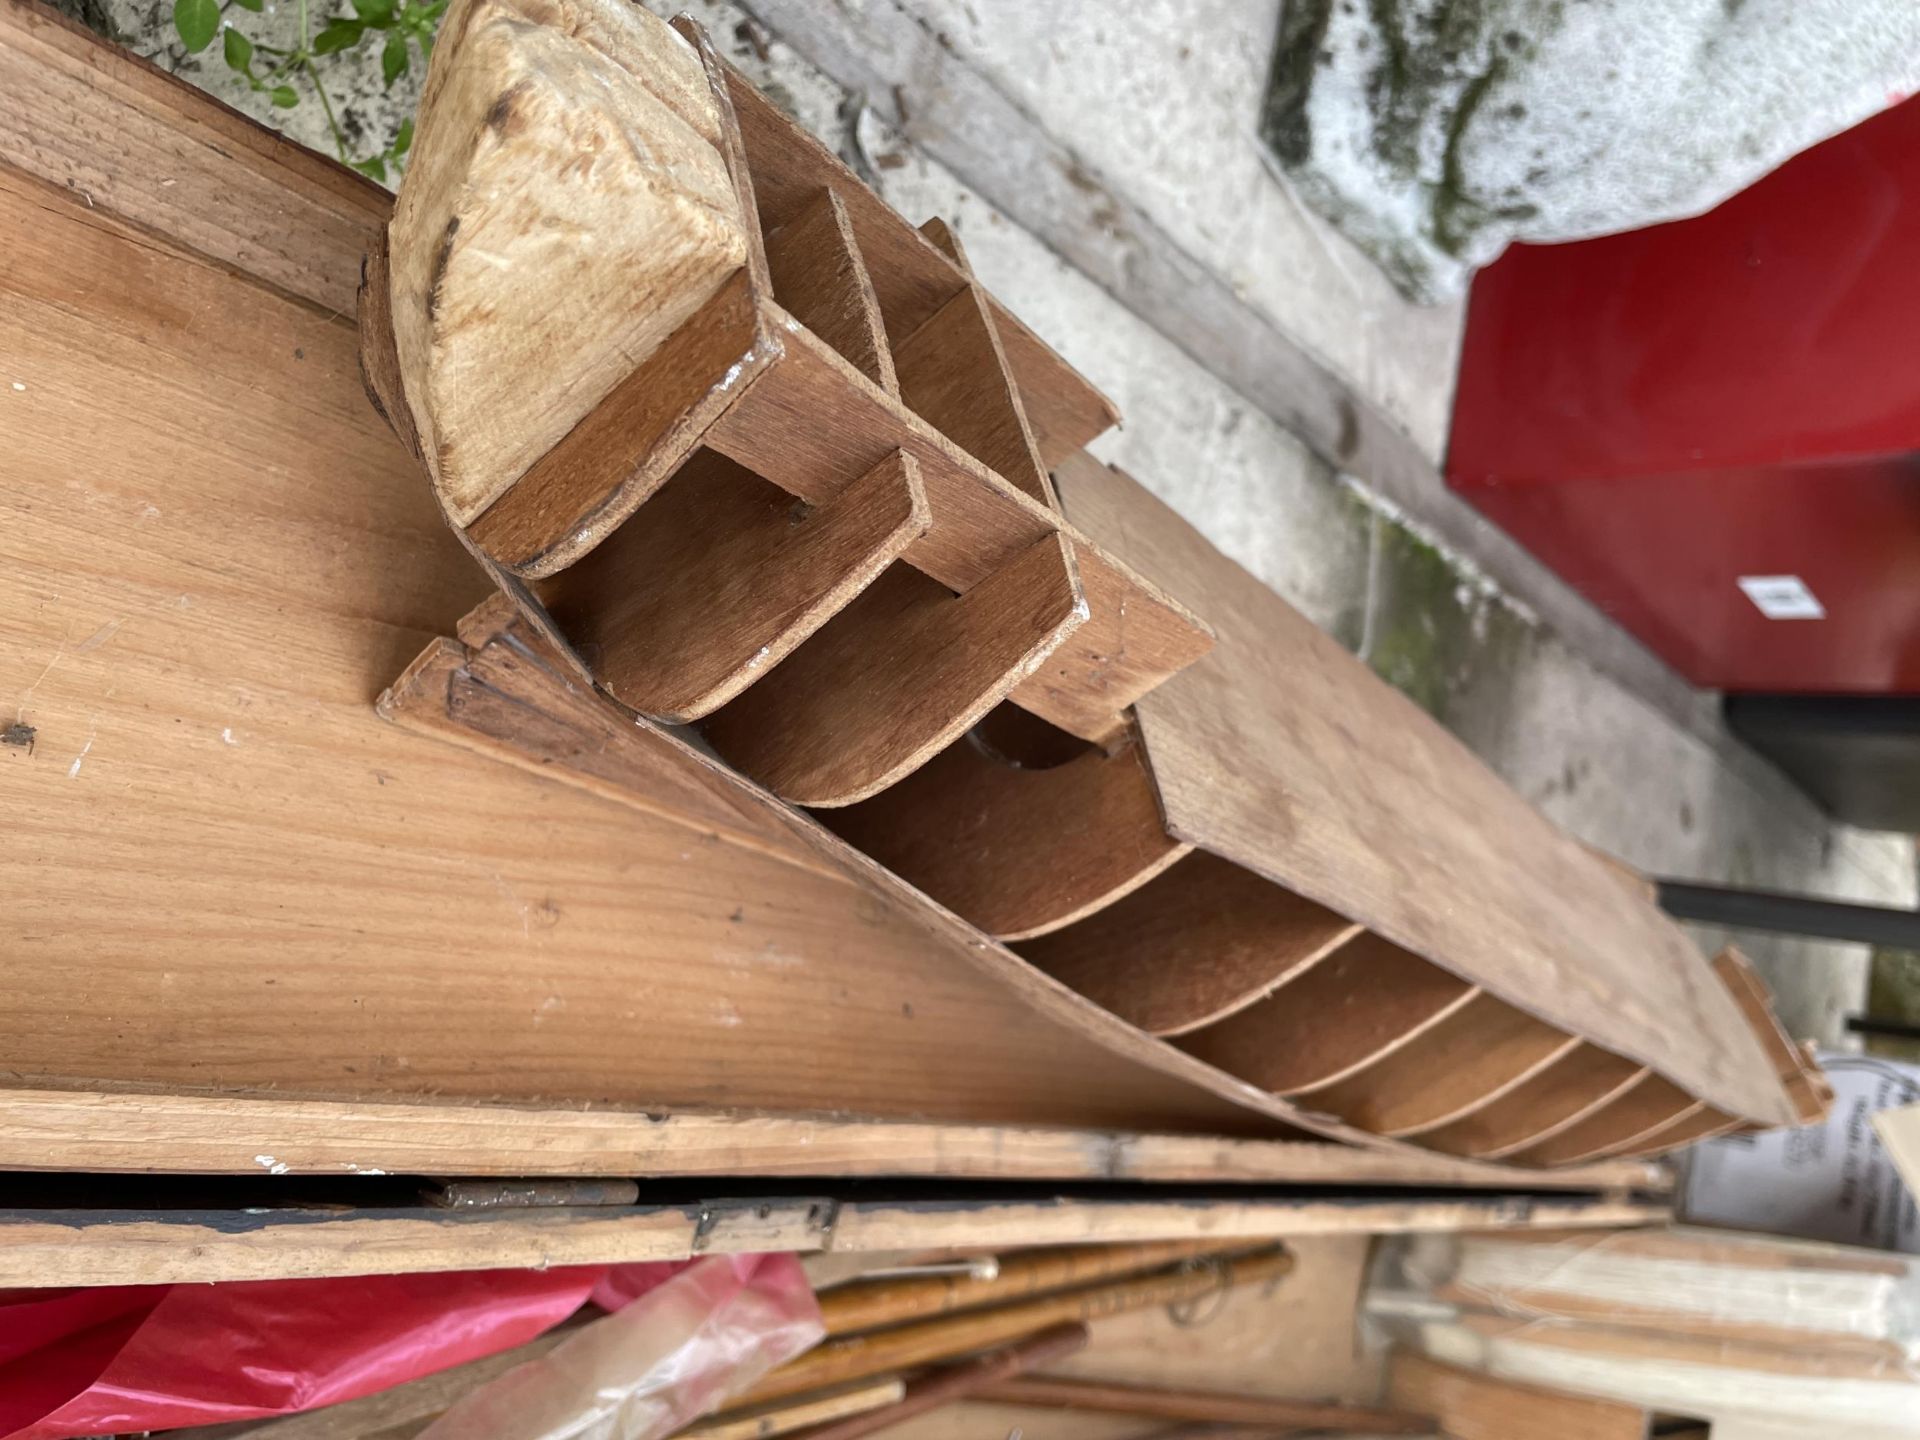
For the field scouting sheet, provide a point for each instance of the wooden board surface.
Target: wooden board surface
(1282, 752)
(190, 1134)
(242, 878)
(124, 1247)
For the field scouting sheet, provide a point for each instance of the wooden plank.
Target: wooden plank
(869, 1305)
(199, 1134)
(126, 1247)
(1201, 942)
(1206, 1407)
(1476, 1054)
(1472, 1406)
(1346, 792)
(89, 118)
(763, 1421)
(1541, 1106)
(720, 576)
(820, 279)
(897, 675)
(285, 903)
(1331, 1019)
(949, 1383)
(1018, 851)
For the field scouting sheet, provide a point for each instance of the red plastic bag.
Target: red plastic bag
(88, 1362)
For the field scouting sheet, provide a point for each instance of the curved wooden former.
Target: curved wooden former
(1192, 946)
(1704, 1124)
(1561, 1094)
(720, 576)
(1018, 851)
(896, 676)
(1349, 1010)
(821, 280)
(1638, 1111)
(1468, 1058)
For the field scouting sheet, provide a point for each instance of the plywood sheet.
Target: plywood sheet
(1282, 752)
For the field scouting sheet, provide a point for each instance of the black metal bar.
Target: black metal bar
(1880, 1025)
(1790, 914)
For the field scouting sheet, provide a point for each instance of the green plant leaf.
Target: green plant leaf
(285, 96)
(238, 50)
(374, 169)
(197, 22)
(339, 33)
(394, 59)
(403, 138)
(253, 5)
(377, 13)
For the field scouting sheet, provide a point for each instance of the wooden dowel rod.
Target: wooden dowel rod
(958, 1382)
(801, 1413)
(892, 1302)
(1201, 1406)
(927, 1342)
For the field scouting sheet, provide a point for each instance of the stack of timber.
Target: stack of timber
(764, 474)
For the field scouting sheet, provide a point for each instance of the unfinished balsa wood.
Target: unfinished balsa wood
(1473, 1406)
(720, 575)
(1202, 941)
(1562, 1094)
(527, 287)
(1641, 1108)
(818, 276)
(1341, 1014)
(1344, 791)
(1471, 1057)
(1018, 851)
(900, 673)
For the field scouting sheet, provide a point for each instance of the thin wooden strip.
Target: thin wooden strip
(1474, 1055)
(721, 576)
(1204, 1406)
(1471, 1406)
(1540, 1107)
(1063, 407)
(1017, 851)
(1199, 943)
(1645, 1105)
(941, 1338)
(896, 677)
(867, 1305)
(959, 1382)
(820, 279)
(1362, 1001)
(764, 1421)
(954, 375)
(191, 1134)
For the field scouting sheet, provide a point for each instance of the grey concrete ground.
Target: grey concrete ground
(1160, 98)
